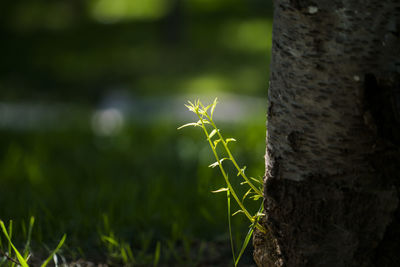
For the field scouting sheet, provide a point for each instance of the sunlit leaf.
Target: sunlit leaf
(256, 197)
(241, 171)
(191, 108)
(204, 121)
(188, 124)
(216, 142)
(215, 164)
(21, 259)
(200, 104)
(247, 193)
(213, 132)
(213, 107)
(230, 140)
(220, 190)
(28, 241)
(110, 240)
(256, 180)
(259, 214)
(206, 108)
(237, 212)
(44, 264)
(124, 255)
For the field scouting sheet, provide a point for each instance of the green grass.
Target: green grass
(141, 197)
(21, 259)
(154, 189)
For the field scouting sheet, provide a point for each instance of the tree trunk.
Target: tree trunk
(333, 141)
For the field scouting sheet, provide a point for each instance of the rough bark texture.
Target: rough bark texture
(333, 141)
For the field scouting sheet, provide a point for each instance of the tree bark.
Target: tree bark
(331, 188)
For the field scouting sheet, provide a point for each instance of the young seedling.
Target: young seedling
(214, 137)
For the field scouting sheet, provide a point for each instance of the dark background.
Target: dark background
(91, 94)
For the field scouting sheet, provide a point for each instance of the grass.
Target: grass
(21, 259)
(153, 188)
(142, 196)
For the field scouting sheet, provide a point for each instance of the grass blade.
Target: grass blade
(110, 240)
(28, 241)
(54, 251)
(157, 254)
(19, 256)
(228, 197)
(10, 226)
(245, 243)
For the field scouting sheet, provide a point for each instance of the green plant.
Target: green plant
(22, 259)
(117, 250)
(120, 252)
(214, 137)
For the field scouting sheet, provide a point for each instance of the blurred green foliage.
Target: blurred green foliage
(150, 181)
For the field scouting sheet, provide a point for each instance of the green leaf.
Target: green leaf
(21, 259)
(110, 240)
(204, 121)
(237, 212)
(241, 171)
(188, 124)
(191, 108)
(206, 108)
(213, 132)
(124, 255)
(259, 214)
(230, 140)
(44, 264)
(247, 193)
(256, 197)
(220, 190)
(215, 164)
(257, 180)
(28, 241)
(200, 104)
(201, 112)
(216, 142)
(214, 104)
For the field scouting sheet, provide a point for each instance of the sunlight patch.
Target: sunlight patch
(207, 83)
(112, 11)
(250, 35)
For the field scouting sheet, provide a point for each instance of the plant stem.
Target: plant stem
(223, 171)
(234, 161)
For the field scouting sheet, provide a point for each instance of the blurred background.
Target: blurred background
(91, 95)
